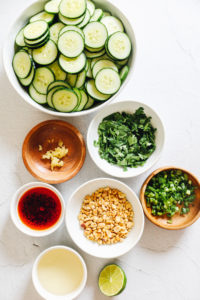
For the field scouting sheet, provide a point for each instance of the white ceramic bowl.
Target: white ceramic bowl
(76, 232)
(14, 213)
(46, 295)
(8, 52)
(129, 107)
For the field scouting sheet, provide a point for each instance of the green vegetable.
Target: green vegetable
(126, 140)
(170, 192)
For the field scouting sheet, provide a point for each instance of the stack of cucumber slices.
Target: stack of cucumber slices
(72, 55)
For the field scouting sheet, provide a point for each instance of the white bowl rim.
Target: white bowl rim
(16, 220)
(27, 98)
(143, 168)
(139, 205)
(41, 291)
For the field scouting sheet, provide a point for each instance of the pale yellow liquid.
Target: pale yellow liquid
(60, 272)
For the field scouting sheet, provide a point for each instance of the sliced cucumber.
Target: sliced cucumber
(95, 54)
(121, 62)
(94, 60)
(72, 8)
(94, 49)
(107, 81)
(95, 34)
(102, 64)
(90, 7)
(64, 100)
(78, 93)
(84, 100)
(89, 103)
(37, 41)
(112, 24)
(98, 14)
(50, 93)
(71, 79)
(124, 73)
(71, 27)
(35, 30)
(19, 40)
(27, 81)
(22, 64)
(68, 21)
(85, 20)
(44, 16)
(43, 77)
(89, 71)
(37, 45)
(71, 44)
(37, 97)
(55, 30)
(81, 79)
(46, 54)
(52, 6)
(57, 83)
(72, 65)
(94, 93)
(119, 45)
(58, 72)
(106, 13)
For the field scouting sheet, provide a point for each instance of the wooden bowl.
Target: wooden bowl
(178, 221)
(48, 134)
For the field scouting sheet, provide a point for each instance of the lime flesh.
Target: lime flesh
(112, 280)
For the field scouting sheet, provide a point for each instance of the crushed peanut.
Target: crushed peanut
(106, 216)
(56, 155)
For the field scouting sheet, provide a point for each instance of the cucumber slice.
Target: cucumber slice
(22, 64)
(84, 100)
(89, 103)
(94, 60)
(37, 45)
(64, 100)
(59, 86)
(43, 77)
(37, 97)
(71, 44)
(19, 40)
(46, 54)
(71, 79)
(55, 30)
(35, 30)
(119, 45)
(38, 41)
(56, 84)
(122, 62)
(85, 20)
(94, 49)
(124, 73)
(58, 72)
(98, 14)
(95, 54)
(73, 28)
(52, 6)
(107, 81)
(89, 71)
(94, 93)
(72, 65)
(106, 13)
(72, 8)
(43, 16)
(68, 21)
(102, 64)
(112, 24)
(78, 93)
(27, 81)
(81, 79)
(90, 7)
(95, 35)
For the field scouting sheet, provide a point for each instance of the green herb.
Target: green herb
(126, 140)
(170, 192)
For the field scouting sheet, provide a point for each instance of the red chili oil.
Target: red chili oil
(39, 208)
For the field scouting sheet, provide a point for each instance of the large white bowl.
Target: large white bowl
(8, 52)
(76, 232)
(129, 107)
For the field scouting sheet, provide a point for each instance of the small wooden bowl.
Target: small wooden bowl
(48, 134)
(178, 221)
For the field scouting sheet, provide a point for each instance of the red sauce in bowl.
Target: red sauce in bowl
(39, 208)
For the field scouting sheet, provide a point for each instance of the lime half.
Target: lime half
(112, 280)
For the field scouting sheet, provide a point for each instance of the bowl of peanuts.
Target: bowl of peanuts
(104, 218)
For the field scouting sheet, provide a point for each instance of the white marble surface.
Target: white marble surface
(164, 265)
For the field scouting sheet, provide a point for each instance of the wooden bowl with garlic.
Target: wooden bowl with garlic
(54, 151)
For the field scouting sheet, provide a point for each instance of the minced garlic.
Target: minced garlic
(56, 155)
(40, 148)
